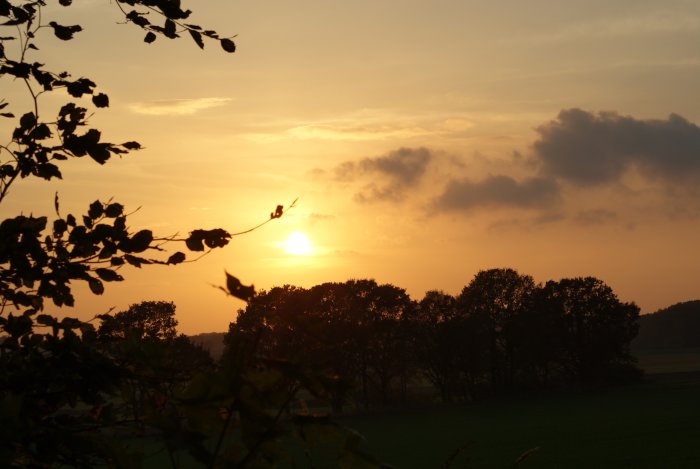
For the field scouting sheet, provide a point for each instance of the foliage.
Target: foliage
(153, 320)
(75, 395)
(351, 331)
(501, 334)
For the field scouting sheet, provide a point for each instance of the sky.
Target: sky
(425, 141)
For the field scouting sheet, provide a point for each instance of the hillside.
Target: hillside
(212, 342)
(677, 326)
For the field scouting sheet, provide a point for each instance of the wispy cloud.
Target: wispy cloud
(176, 107)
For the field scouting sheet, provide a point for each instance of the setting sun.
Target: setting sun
(298, 244)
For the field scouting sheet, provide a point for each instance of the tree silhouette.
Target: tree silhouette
(598, 326)
(61, 379)
(494, 300)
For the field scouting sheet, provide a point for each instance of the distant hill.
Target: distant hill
(677, 326)
(212, 342)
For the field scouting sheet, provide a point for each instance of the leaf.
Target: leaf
(45, 320)
(138, 242)
(195, 242)
(279, 211)
(96, 210)
(96, 286)
(108, 275)
(132, 145)
(197, 37)
(27, 121)
(237, 289)
(114, 210)
(169, 29)
(150, 37)
(100, 100)
(228, 45)
(65, 33)
(177, 258)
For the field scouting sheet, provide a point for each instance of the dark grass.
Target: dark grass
(668, 360)
(653, 425)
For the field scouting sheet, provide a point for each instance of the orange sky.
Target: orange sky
(425, 141)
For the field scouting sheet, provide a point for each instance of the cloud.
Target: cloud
(176, 107)
(393, 173)
(592, 149)
(498, 192)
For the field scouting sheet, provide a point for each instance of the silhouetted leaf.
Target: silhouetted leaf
(169, 29)
(150, 37)
(64, 33)
(279, 211)
(138, 242)
(177, 258)
(108, 275)
(96, 286)
(114, 210)
(197, 37)
(132, 145)
(96, 210)
(228, 45)
(27, 121)
(100, 100)
(237, 289)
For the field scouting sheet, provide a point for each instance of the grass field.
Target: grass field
(650, 425)
(668, 360)
(655, 424)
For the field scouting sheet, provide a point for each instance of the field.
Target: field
(652, 425)
(655, 424)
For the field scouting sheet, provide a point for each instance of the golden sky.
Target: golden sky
(425, 140)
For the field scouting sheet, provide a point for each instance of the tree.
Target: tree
(436, 341)
(58, 382)
(598, 327)
(154, 320)
(493, 300)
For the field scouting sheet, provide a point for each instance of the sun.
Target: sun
(297, 244)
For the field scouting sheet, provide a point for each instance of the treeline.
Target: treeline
(502, 333)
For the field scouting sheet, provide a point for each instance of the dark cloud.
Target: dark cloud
(591, 149)
(498, 192)
(392, 174)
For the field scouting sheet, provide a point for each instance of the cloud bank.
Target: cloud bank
(589, 149)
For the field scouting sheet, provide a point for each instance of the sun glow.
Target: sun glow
(297, 244)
